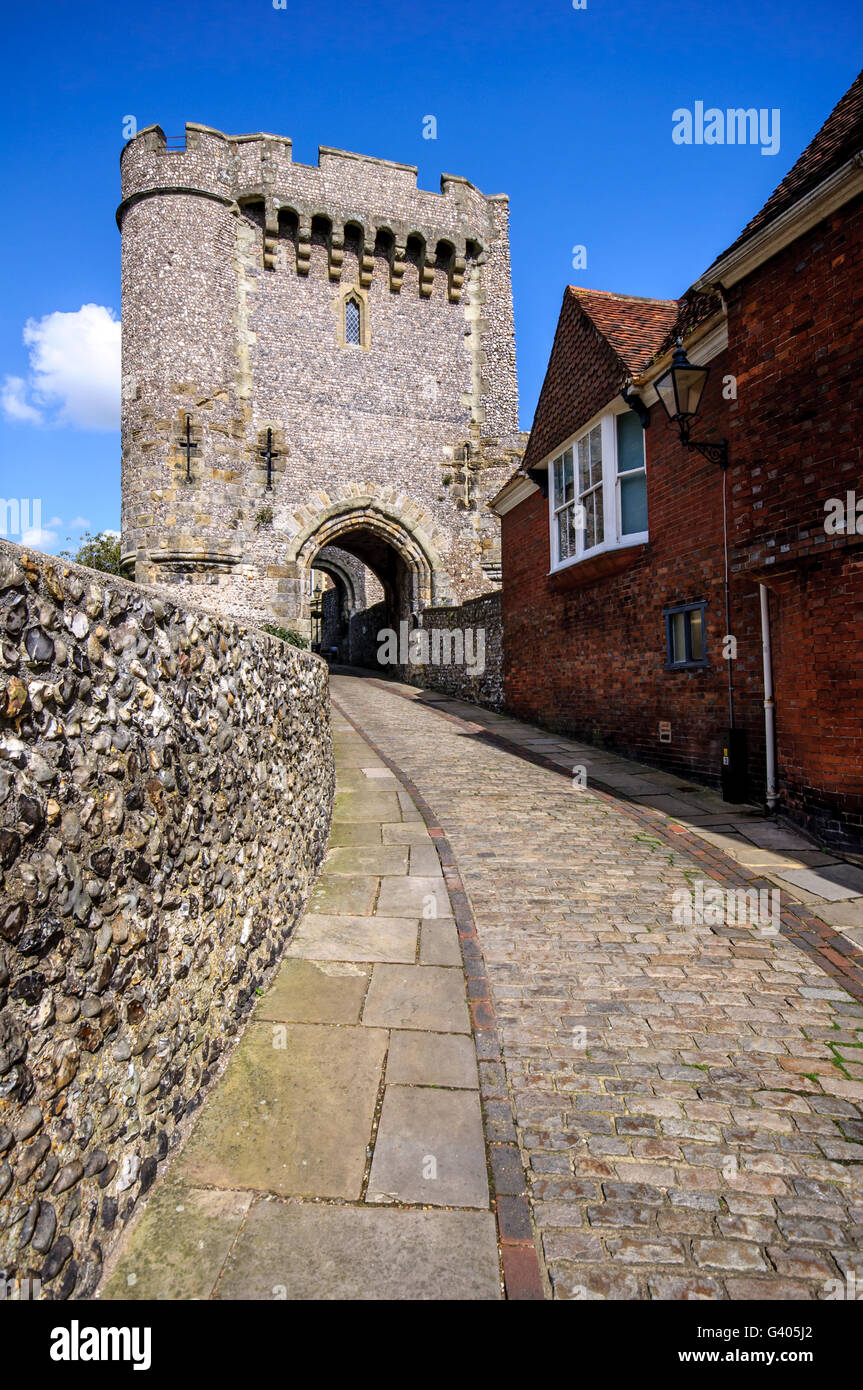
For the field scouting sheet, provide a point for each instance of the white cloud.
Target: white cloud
(14, 403)
(74, 371)
(79, 523)
(43, 537)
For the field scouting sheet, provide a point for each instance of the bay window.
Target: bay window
(598, 490)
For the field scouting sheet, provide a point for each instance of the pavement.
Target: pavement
(341, 1155)
(514, 1035)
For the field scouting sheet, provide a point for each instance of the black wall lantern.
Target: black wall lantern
(680, 389)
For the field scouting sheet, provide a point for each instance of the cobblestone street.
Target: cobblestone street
(682, 1104)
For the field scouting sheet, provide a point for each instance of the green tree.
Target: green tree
(99, 552)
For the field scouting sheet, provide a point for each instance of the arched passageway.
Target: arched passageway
(363, 536)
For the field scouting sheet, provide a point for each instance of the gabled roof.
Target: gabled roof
(838, 140)
(601, 340)
(633, 326)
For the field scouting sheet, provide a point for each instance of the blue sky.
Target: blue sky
(569, 111)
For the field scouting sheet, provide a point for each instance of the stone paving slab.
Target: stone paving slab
(292, 1114)
(360, 806)
(834, 884)
(299, 1251)
(777, 837)
(380, 860)
(323, 937)
(429, 1149)
(346, 895)
(439, 943)
(316, 1097)
(308, 991)
(413, 895)
(352, 755)
(181, 1243)
(358, 833)
(417, 996)
(432, 1059)
(413, 833)
(845, 915)
(424, 862)
(409, 810)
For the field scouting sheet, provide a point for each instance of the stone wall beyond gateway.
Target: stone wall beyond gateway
(468, 668)
(478, 621)
(166, 782)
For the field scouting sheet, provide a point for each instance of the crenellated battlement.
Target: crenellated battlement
(344, 194)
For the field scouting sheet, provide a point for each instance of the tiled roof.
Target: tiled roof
(838, 140)
(600, 340)
(692, 309)
(633, 326)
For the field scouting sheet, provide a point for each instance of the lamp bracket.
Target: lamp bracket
(714, 452)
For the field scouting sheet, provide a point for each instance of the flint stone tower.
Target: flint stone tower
(353, 326)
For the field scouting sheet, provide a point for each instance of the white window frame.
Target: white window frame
(611, 499)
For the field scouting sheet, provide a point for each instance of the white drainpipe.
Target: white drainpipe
(769, 708)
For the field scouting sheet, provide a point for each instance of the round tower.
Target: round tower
(183, 405)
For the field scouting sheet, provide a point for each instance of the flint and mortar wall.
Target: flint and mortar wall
(236, 262)
(166, 782)
(485, 688)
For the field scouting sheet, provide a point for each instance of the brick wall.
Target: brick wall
(794, 343)
(585, 650)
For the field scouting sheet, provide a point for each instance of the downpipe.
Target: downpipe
(769, 706)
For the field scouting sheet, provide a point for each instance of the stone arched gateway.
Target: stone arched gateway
(403, 413)
(385, 530)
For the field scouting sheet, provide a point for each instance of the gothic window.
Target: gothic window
(352, 322)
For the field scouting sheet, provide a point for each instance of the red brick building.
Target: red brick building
(614, 550)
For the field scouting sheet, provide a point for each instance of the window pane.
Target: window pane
(595, 438)
(593, 527)
(696, 634)
(630, 442)
(563, 479)
(678, 637)
(565, 534)
(352, 322)
(589, 524)
(568, 482)
(633, 504)
(583, 464)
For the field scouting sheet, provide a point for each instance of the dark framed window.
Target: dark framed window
(352, 323)
(685, 635)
